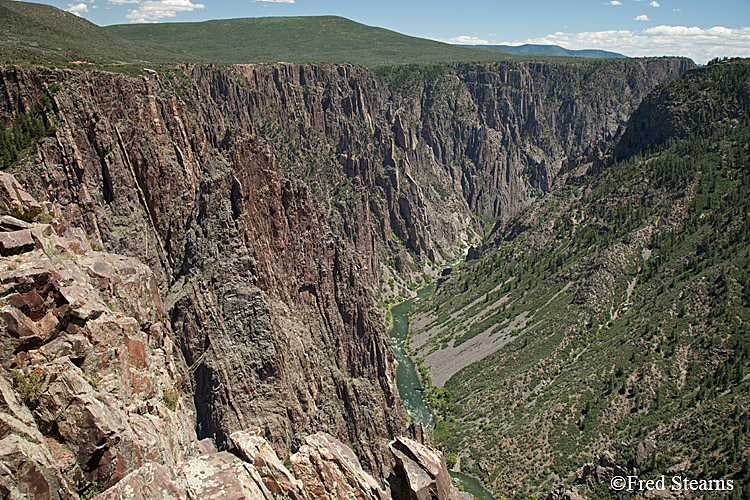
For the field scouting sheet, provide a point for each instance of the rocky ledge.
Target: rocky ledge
(323, 468)
(90, 382)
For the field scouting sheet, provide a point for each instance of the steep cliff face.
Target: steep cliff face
(676, 112)
(504, 131)
(271, 310)
(92, 390)
(266, 199)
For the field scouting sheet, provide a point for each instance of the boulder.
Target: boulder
(560, 493)
(222, 475)
(420, 472)
(10, 223)
(149, 482)
(14, 200)
(645, 449)
(16, 242)
(330, 470)
(254, 449)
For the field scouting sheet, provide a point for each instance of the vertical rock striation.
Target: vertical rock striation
(266, 199)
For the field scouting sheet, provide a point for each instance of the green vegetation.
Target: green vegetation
(438, 398)
(19, 138)
(171, 398)
(295, 39)
(635, 308)
(28, 383)
(404, 78)
(42, 34)
(91, 491)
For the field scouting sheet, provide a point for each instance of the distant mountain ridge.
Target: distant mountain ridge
(297, 39)
(529, 49)
(43, 34)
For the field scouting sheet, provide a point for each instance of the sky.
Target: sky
(699, 29)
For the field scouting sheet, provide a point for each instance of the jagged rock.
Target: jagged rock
(645, 449)
(473, 253)
(255, 449)
(14, 200)
(603, 471)
(16, 242)
(149, 482)
(324, 468)
(27, 466)
(9, 223)
(83, 343)
(421, 472)
(217, 475)
(222, 475)
(329, 469)
(564, 494)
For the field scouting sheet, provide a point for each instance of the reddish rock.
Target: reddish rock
(222, 475)
(26, 466)
(16, 242)
(15, 200)
(136, 353)
(10, 223)
(422, 472)
(254, 449)
(78, 324)
(329, 469)
(150, 482)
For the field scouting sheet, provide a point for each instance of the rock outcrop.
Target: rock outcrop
(420, 472)
(271, 310)
(323, 468)
(91, 383)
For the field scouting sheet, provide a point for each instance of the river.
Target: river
(407, 380)
(410, 389)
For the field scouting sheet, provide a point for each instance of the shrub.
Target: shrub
(28, 383)
(171, 397)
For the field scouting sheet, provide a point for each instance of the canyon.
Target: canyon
(256, 211)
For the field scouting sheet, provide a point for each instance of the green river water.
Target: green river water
(410, 389)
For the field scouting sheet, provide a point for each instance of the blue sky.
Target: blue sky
(700, 29)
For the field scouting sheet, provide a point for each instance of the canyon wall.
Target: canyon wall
(268, 199)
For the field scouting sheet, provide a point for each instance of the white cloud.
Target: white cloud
(275, 1)
(642, 17)
(154, 10)
(655, 4)
(614, 2)
(77, 8)
(466, 40)
(121, 2)
(699, 44)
